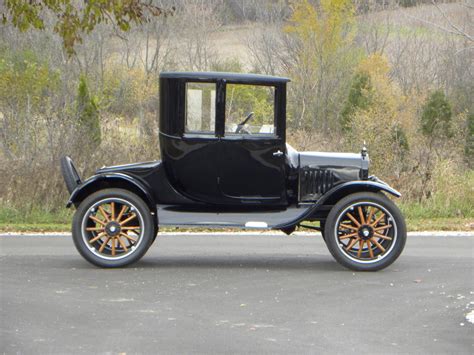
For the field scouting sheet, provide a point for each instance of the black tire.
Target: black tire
(69, 172)
(155, 233)
(82, 238)
(394, 234)
(322, 226)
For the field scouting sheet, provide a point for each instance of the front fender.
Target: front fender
(100, 181)
(339, 191)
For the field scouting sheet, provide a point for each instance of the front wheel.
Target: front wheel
(365, 231)
(113, 228)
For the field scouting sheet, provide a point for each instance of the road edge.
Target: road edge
(252, 233)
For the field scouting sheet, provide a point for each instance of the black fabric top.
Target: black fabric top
(232, 77)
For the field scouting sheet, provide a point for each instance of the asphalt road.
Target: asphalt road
(235, 294)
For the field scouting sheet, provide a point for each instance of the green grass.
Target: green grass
(34, 227)
(419, 218)
(440, 224)
(439, 207)
(454, 199)
(34, 216)
(34, 220)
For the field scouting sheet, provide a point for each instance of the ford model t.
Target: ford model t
(225, 163)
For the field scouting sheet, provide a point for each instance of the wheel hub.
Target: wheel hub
(365, 232)
(113, 229)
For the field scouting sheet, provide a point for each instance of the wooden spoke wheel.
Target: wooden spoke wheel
(365, 231)
(113, 228)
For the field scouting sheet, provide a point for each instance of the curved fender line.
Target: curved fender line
(366, 185)
(110, 176)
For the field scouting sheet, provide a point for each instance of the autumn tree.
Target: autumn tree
(72, 19)
(375, 113)
(27, 85)
(323, 58)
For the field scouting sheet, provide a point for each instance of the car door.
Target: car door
(192, 156)
(252, 147)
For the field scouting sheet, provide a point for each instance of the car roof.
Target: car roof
(232, 77)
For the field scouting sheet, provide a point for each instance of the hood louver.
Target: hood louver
(314, 183)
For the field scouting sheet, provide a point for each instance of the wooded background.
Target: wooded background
(395, 73)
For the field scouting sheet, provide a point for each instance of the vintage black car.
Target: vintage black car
(225, 163)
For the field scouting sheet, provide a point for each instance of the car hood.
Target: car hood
(319, 172)
(135, 167)
(323, 160)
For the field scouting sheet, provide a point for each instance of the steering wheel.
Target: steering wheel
(240, 127)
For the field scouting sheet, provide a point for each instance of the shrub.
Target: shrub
(436, 116)
(359, 98)
(88, 114)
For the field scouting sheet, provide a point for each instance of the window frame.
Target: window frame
(273, 135)
(220, 119)
(279, 113)
(197, 134)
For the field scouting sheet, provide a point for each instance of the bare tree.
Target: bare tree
(193, 26)
(449, 25)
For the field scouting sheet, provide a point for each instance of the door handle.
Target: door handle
(278, 153)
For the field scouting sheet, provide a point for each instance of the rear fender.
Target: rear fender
(111, 180)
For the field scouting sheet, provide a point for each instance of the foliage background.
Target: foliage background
(397, 74)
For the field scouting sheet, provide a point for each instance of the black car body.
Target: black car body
(216, 173)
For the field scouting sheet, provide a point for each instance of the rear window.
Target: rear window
(200, 108)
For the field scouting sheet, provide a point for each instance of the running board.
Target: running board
(179, 216)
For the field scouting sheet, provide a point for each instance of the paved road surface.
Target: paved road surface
(235, 294)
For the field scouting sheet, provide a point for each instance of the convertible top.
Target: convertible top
(232, 77)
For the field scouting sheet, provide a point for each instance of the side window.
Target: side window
(200, 108)
(250, 110)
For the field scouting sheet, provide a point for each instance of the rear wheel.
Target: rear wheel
(365, 231)
(113, 228)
